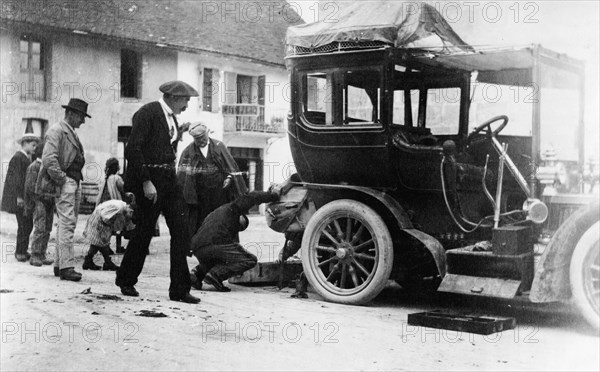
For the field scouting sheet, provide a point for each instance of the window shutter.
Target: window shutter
(216, 77)
(261, 90)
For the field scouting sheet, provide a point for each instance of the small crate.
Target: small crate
(462, 323)
(466, 261)
(512, 240)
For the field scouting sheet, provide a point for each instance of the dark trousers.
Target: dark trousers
(105, 251)
(172, 206)
(192, 213)
(223, 261)
(25, 225)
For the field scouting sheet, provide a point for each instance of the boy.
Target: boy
(13, 198)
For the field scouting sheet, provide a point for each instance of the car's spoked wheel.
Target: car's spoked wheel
(585, 275)
(347, 252)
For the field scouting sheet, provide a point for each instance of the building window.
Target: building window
(131, 73)
(244, 107)
(35, 126)
(33, 61)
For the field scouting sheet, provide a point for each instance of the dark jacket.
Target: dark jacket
(189, 167)
(222, 225)
(150, 144)
(14, 185)
(30, 181)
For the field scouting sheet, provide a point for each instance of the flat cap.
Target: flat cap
(178, 88)
(198, 129)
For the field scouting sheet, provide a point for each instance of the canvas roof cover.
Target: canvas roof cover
(509, 65)
(406, 24)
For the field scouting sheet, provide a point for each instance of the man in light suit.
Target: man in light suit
(60, 177)
(150, 176)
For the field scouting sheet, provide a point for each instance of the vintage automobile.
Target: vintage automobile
(433, 165)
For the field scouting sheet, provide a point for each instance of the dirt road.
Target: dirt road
(48, 324)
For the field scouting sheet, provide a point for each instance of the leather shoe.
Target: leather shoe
(128, 290)
(187, 298)
(35, 261)
(47, 261)
(196, 283)
(56, 271)
(70, 274)
(22, 257)
(210, 279)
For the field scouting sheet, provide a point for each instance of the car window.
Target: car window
(491, 100)
(361, 97)
(401, 100)
(342, 97)
(443, 110)
(318, 103)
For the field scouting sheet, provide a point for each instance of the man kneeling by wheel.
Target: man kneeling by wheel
(216, 243)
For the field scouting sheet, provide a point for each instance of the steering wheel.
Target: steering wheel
(488, 125)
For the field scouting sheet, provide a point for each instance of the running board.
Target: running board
(480, 286)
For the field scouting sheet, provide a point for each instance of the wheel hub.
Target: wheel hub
(341, 253)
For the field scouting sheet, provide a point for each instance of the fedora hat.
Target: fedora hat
(29, 137)
(78, 105)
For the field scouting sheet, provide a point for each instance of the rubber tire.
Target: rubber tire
(378, 231)
(583, 253)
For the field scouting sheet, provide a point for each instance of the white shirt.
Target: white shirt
(170, 121)
(204, 150)
(29, 156)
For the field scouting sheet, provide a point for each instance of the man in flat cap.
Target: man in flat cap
(13, 197)
(204, 173)
(60, 176)
(150, 153)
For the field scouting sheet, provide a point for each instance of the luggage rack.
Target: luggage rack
(295, 50)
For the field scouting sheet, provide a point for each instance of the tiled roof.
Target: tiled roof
(246, 29)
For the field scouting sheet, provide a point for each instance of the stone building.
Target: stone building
(115, 54)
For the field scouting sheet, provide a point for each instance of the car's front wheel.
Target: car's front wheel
(347, 252)
(585, 275)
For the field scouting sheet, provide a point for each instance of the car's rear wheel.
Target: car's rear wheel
(347, 252)
(585, 275)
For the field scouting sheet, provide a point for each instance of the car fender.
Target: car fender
(551, 281)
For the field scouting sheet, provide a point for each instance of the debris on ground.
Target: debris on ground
(88, 290)
(109, 297)
(152, 314)
(6, 291)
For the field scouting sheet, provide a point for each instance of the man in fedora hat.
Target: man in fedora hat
(150, 153)
(62, 162)
(13, 198)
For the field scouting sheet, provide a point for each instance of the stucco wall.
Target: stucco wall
(81, 67)
(190, 68)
